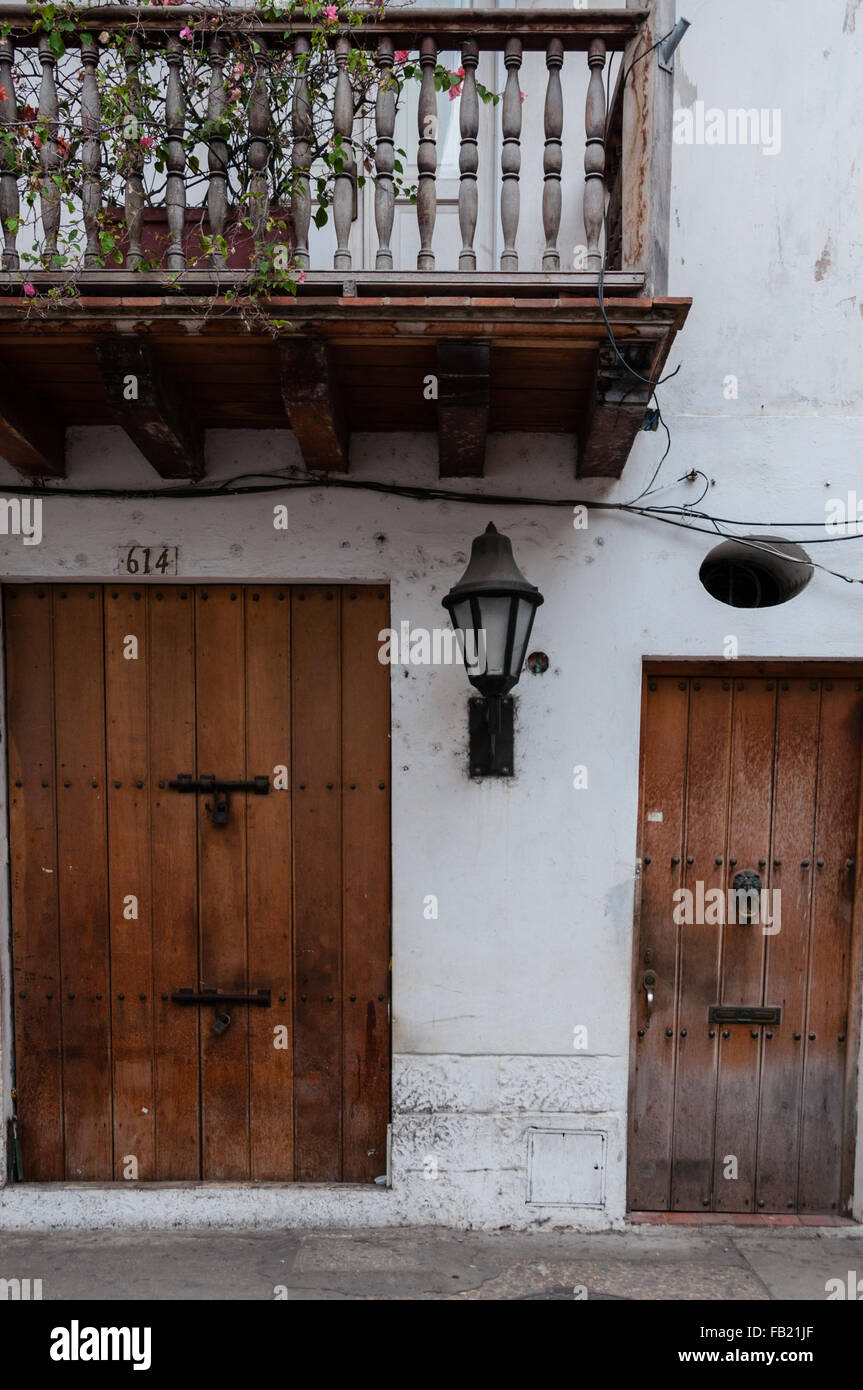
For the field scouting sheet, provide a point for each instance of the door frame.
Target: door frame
(852, 1146)
(7, 1020)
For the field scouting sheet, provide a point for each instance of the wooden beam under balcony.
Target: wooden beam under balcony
(31, 435)
(313, 404)
(464, 394)
(142, 399)
(359, 364)
(617, 411)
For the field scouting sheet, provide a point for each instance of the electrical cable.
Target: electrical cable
(681, 516)
(280, 481)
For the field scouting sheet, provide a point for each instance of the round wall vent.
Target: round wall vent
(755, 571)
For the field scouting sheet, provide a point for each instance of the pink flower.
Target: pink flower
(146, 142)
(301, 277)
(401, 55)
(239, 70)
(522, 96)
(186, 33)
(29, 290)
(234, 94)
(456, 90)
(331, 13)
(4, 95)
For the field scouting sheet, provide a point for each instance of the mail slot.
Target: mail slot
(744, 1013)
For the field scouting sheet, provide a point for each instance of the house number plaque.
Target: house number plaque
(140, 561)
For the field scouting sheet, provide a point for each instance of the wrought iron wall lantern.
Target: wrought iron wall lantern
(492, 608)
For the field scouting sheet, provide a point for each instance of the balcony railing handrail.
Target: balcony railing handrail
(493, 28)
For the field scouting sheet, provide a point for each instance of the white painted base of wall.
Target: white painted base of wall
(461, 1131)
(257, 1206)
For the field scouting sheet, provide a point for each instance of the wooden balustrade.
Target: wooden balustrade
(49, 114)
(385, 124)
(468, 160)
(175, 120)
(510, 155)
(134, 192)
(10, 204)
(552, 160)
(301, 116)
(594, 155)
(427, 122)
(564, 39)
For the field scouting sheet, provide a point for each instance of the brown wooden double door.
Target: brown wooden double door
(761, 773)
(125, 891)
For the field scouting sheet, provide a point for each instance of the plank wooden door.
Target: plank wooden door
(125, 892)
(757, 772)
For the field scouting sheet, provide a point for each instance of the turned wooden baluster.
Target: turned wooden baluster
(552, 162)
(427, 154)
(134, 192)
(175, 192)
(259, 149)
(301, 156)
(510, 154)
(91, 148)
(10, 206)
(468, 157)
(217, 154)
(49, 197)
(343, 120)
(594, 154)
(385, 120)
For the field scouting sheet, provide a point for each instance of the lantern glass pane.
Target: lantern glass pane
(461, 616)
(523, 623)
(494, 613)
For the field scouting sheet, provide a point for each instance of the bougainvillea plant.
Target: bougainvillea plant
(133, 138)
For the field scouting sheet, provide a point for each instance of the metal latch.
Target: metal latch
(218, 998)
(219, 790)
(744, 1013)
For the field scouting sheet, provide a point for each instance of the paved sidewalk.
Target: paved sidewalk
(722, 1263)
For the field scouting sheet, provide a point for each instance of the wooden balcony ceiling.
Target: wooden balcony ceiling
(532, 356)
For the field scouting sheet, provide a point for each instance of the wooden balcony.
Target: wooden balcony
(468, 338)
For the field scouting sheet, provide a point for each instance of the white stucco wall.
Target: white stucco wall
(535, 879)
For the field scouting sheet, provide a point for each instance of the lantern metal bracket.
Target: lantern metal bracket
(491, 754)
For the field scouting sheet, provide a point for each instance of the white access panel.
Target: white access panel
(566, 1167)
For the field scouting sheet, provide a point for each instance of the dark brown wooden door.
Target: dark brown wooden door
(757, 773)
(124, 891)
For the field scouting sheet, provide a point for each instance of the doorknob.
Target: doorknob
(221, 1022)
(649, 981)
